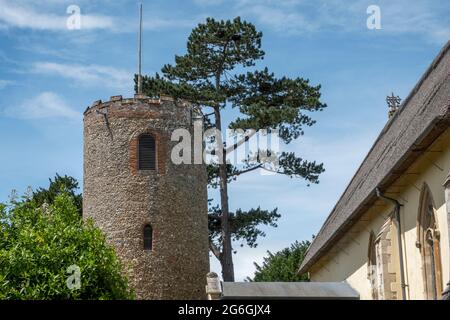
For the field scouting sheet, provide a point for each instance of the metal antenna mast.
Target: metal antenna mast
(139, 85)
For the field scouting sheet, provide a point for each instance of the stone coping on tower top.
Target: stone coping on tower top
(99, 104)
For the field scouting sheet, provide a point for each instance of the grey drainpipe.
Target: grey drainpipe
(399, 238)
(446, 293)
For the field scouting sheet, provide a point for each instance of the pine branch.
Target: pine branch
(239, 143)
(215, 250)
(248, 170)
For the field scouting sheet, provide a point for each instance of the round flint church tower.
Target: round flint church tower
(153, 212)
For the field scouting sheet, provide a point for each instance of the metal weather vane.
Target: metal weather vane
(393, 103)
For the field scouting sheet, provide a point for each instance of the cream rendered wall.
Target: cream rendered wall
(347, 260)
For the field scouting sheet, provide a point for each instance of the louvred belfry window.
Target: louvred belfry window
(147, 152)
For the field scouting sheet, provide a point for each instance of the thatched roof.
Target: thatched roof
(422, 117)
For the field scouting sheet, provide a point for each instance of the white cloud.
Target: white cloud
(4, 83)
(45, 105)
(208, 2)
(424, 18)
(87, 75)
(291, 17)
(280, 19)
(279, 16)
(23, 15)
(156, 23)
(5, 59)
(27, 17)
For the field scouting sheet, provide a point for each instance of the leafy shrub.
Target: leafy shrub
(283, 265)
(39, 242)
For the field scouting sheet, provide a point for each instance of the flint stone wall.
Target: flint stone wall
(172, 199)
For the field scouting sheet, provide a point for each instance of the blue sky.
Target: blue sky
(49, 75)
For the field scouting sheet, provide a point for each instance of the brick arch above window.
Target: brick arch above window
(160, 142)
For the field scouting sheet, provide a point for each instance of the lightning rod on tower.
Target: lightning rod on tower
(139, 84)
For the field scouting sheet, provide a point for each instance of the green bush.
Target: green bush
(40, 243)
(283, 265)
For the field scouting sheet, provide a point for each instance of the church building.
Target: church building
(388, 235)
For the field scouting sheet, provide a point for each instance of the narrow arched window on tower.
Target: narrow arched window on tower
(147, 152)
(148, 238)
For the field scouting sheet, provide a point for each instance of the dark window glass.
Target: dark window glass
(148, 238)
(147, 152)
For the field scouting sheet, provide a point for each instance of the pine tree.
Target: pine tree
(210, 76)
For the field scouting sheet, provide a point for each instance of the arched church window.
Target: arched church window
(429, 245)
(147, 152)
(148, 238)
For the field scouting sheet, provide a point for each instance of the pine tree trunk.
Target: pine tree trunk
(226, 260)
(227, 255)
